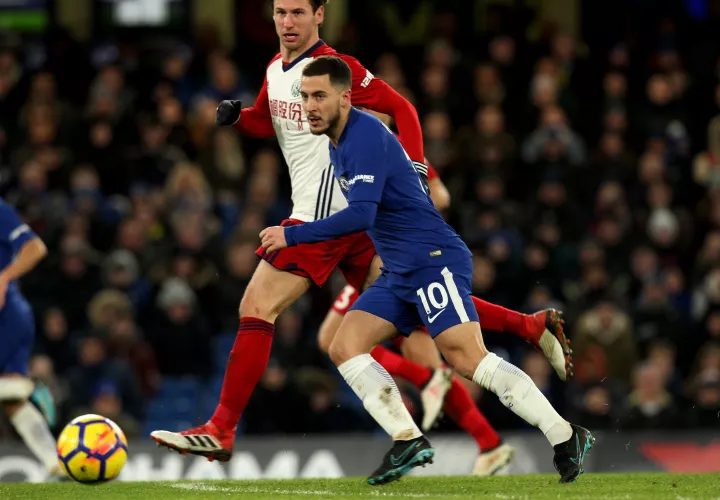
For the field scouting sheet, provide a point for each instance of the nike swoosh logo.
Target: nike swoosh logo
(432, 318)
(403, 455)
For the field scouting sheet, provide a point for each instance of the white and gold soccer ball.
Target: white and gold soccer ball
(92, 449)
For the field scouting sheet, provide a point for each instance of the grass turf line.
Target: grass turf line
(526, 487)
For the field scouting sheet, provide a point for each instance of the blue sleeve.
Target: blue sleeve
(369, 161)
(358, 216)
(12, 229)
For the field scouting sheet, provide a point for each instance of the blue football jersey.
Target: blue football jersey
(13, 235)
(372, 166)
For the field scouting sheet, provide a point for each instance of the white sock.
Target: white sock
(33, 429)
(518, 393)
(380, 396)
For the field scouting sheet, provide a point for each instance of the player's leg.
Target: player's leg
(335, 315)
(16, 388)
(458, 405)
(463, 348)
(361, 268)
(269, 293)
(544, 330)
(28, 421)
(395, 364)
(372, 321)
(451, 318)
(436, 382)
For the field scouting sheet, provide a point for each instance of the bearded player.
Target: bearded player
(284, 276)
(426, 279)
(440, 389)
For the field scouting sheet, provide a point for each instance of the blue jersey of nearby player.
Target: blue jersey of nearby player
(386, 197)
(13, 235)
(17, 327)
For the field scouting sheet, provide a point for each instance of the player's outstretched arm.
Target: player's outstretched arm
(31, 253)
(357, 217)
(254, 121)
(28, 248)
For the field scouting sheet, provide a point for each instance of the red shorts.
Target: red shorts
(351, 255)
(347, 297)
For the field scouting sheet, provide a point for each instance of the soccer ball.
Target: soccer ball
(92, 449)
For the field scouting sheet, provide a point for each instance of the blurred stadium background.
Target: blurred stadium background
(580, 141)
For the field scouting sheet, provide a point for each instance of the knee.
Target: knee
(462, 362)
(252, 305)
(339, 351)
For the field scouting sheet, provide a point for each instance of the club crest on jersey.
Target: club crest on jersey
(344, 184)
(295, 88)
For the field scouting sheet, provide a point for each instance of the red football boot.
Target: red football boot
(548, 336)
(207, 440)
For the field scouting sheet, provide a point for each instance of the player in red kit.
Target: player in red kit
(285, 275)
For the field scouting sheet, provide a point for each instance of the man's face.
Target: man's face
(295, 22)
(322, 102)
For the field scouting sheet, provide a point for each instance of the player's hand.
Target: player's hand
(4, 283)
(273, 238)
(228, 112)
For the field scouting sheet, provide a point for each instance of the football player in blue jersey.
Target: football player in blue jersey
(426, 279)
(20, 251)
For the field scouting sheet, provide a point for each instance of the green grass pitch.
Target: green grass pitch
(526, 487)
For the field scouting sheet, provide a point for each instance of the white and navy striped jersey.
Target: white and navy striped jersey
(315, 192)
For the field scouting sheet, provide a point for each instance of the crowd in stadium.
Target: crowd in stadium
(584, 176)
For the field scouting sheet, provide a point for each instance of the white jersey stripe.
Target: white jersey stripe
(318, 212)
(331, 182)
(455, 298)
(326, 180)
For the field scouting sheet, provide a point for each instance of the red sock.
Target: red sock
(396, 365)
(246, 365)
(462, 409)
(497, 318)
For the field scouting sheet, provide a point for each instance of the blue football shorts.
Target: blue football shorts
(437, 297)
(17, 332)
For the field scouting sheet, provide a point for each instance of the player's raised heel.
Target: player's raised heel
(570, 456)
(402, 457)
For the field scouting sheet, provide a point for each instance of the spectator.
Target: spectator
(650, 406)
(603, 345)
(125, 342)
(179, 333)
(554, 140)
(93, 365)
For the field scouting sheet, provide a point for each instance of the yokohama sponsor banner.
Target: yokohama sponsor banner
(338, 456)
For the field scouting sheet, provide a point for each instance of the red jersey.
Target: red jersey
(278, 111)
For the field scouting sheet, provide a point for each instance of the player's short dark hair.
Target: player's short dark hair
(316, 4)
(337, 69)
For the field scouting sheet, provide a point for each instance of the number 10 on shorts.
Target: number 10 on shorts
(440, 295)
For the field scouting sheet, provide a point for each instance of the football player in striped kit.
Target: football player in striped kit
(284, 276)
